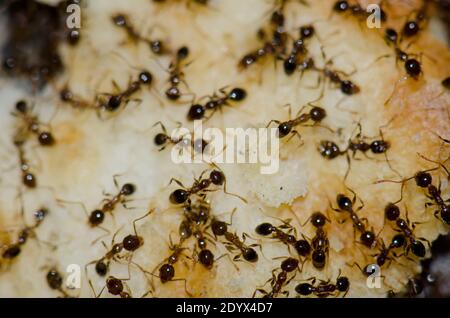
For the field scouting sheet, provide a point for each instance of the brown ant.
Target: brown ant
(297, 55)
(383, 255)
(205, 256)
(330, 150)
(319, 242)
(392, 213)
(55, 281)
(316, 114)
(122, 21)
(67, 96)
(302, 246)
(176, 74)
(216, 102)
(324, 288)
(112, 102)
(31, 125)
(130, 243)
(115, 287)
(277, 282)
(345, 204)
(200, 186)
(11, 251)
(163, 139)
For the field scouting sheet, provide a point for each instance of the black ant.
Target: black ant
(319, 242)
(55, 281)
(200, 187)
(205, 256)
(122, 21)
(163, 139)
(28, 178)
(11, 251)
(324, 288)
(176, 74)
(412, 27)
(316, 114)
(216, 102)
(277, 282)
(392, 213)
(397, 242)
(302, 246)
(31, 125)
(297, 54)
(130, 243)
(115, 287)
(112, 102)
(233, 242)
(345, 204)
(330, 150)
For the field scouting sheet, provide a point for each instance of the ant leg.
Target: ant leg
(273, 121)
(140, 218)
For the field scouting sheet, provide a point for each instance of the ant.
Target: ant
(233, 242)
(163, 139)
(67, 96)
(342, 6)
(176, 74)
(316, 114)
(28, 178)
(302, 246)
(200, 186)
(115, 287)
(292, 61)
(11, 251)
(277, 282)
(330, 150)
(55, 281)
(205, 256)
(216, 102)
(122, 21)
(31, 125)
(320, 243)
(112, 102)
(392, 213)
(324, 288)
(397, 242)
(345, 204)
(412, 27)
(129, 243)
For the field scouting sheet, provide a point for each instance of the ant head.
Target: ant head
(101, 268)
(73, 37)
(120, 20)
(160, 139)
(96, 217)
(196, 112)
(132, 242)
(277, 18)
(423, 179)
(145, 77)
(114, 285)
(344, 202)
(128, 189)
(341, 6)
(219, 228)
(284, 129)
(178, 196)
(410, 28)
(237, 94)
(250, 255)
(329, 149)
(40, 214)
(290, 65)
(342, 284)
(29, 180)
(166, 273)
(318, 219)
(289, 265)
(217, 177)
(157, 47)
(391, 35)
(306, 31)
(46, 138)
(349, 88)
(173, 93)
(264, 229)
(391, 212)
(182, 53)
(21, 106)
(379, 146)
(54, 279)
(66, 95)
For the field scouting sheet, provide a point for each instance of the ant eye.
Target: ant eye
(237, 94)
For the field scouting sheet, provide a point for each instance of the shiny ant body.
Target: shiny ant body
(32, 125)
(233, 242)
(122, 21)
(283, 234)
(112, 102)
(277, 282)
(176, 74)
(345, 204)
(398, 241)
(11, 251)
(315, 115)
(392, 213)
(216, 102)
(319, 242)
(28, 177)
(55, 281)
(324, 288)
